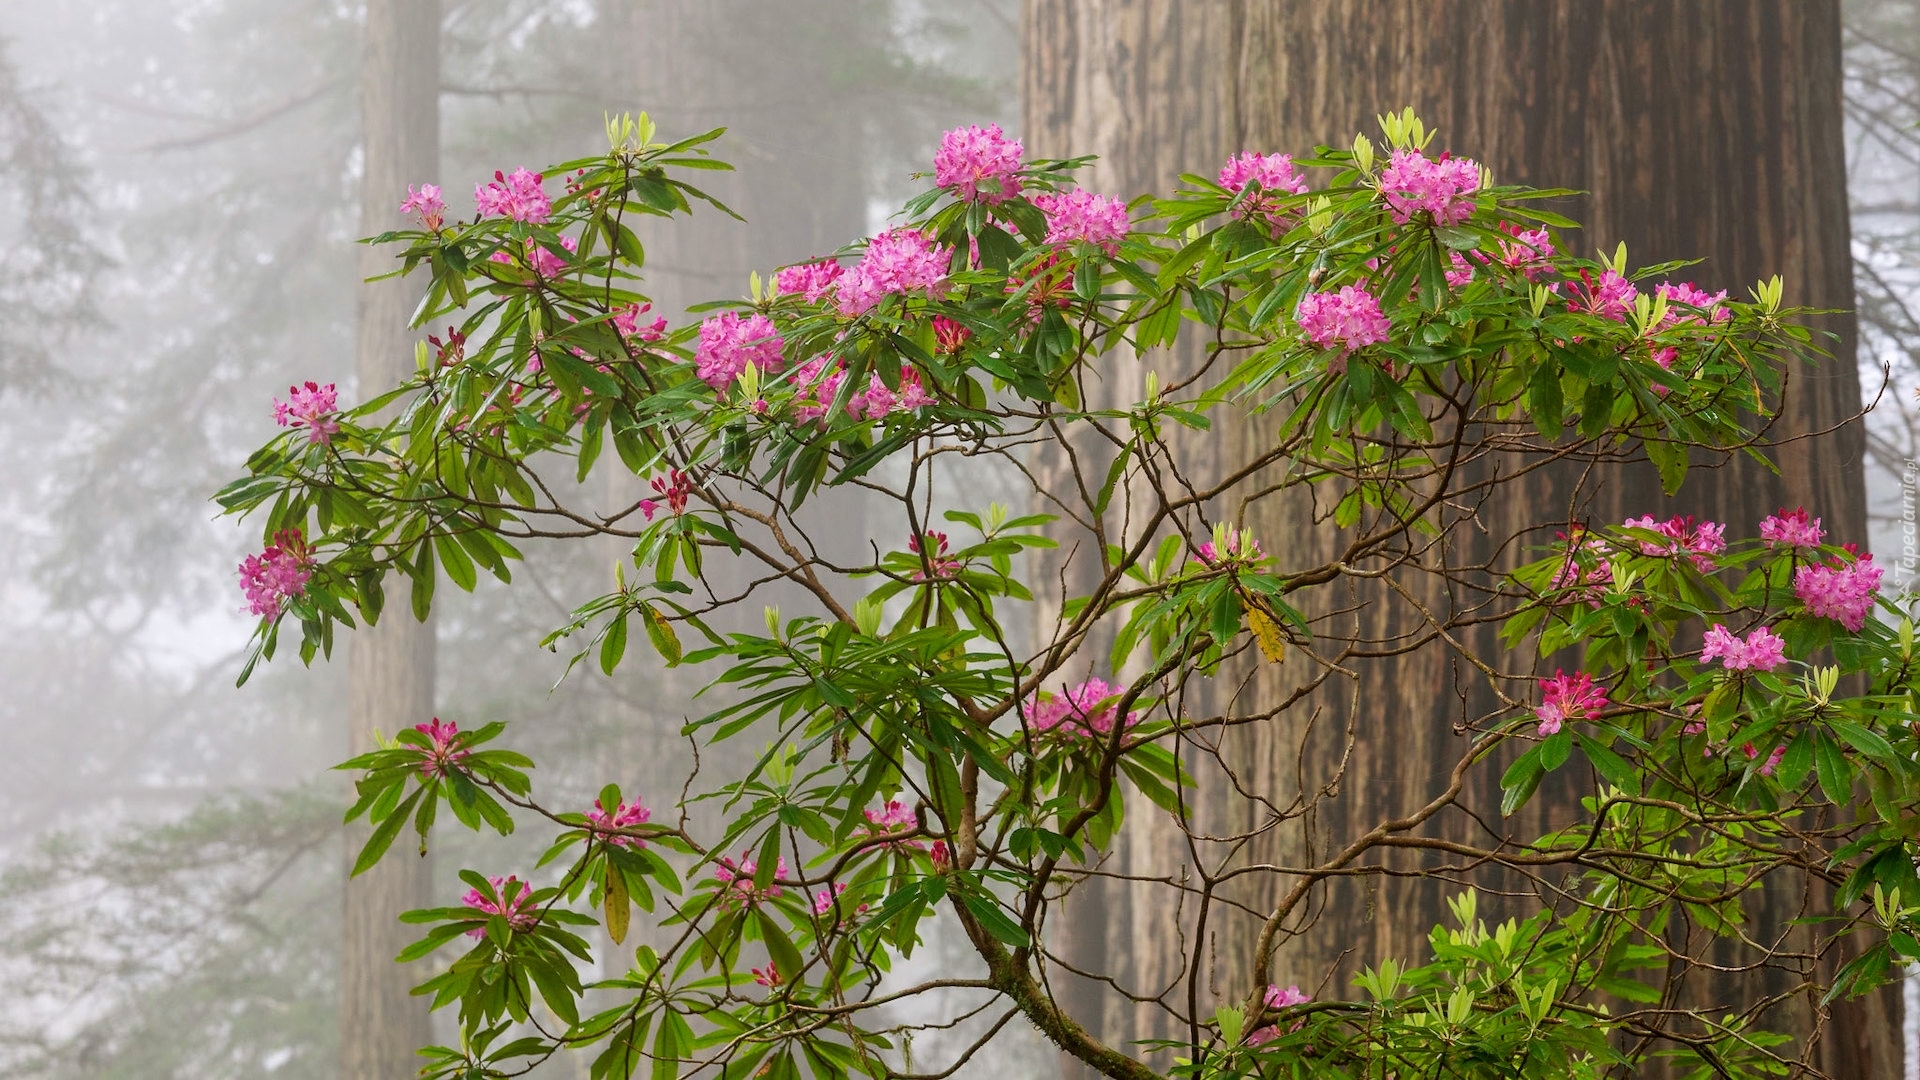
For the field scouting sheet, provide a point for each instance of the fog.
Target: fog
(182, 182)
(180, 188)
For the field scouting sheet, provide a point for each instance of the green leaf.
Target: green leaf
(383, 835)
(1611, 766)
(993, 920)
(1836, 773)
(1554, 751)
(614, 645)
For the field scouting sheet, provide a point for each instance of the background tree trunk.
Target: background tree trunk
(391, 665)
(1700, 129)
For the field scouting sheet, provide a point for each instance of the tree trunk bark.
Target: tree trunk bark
(1705, 128)
(391, 665)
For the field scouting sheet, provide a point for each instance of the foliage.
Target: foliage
(1401, 337)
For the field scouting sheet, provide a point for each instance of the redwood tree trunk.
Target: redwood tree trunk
(391, 665)
(1700, 128)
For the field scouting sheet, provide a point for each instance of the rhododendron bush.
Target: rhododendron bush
(947, 732)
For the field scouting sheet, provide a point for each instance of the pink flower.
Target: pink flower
(626, 322)
(1277, 998)
(1839, 590)
(1568, 697)
(442, 758)
(815, 385)
(739, 875)
(1611, 297)
(728, 343)
(1272, 175)
(1350, 318)
(623, 816)
(1792, 528)
(1763, 650)
(518, 912)
(936, 555)
(898, 261)
(768, 976)
(1690, 296)
(1699, 543)
(978, 163)
(675, 487)
(1081, 216)
(948, 336)
(809, 281)
(1091, 707)
(309, 406)
(1462, 273)
(941, 857)
(1231, 547)
(1773, 760)
(823, 900)
(426, 202)
(276, 575)
(1412, 183)
(1527, 252)
(518, 196)
(894, 815)
(1585, 571)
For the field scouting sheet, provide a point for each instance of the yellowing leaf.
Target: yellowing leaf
(616, 905)
(1266, 634)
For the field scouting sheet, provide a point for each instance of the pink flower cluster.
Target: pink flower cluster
(276, 575)
(426, 202)
(1230, 546)
(517, 196)
(948, 335)
(1585, 570)
(896, 261)
(1686, 293)
(1792, 528)
(1839, 590)
(626, 322)
(622, 816)
(808, 281)
(728, 343)
(1350, 318)
(1273, 175)
(1276, 998)
(817, 381)
(936, 556)
(978, 163)
(1773, 759)
(1527, 252)
(539, 258)
(518, 912)
(1611, 297)
(309, 406)
(877, 402)
(1413, 183)
(1091, 707)
(892, 817)
(1683, 538)
(1080, 216)
(1763, 650)
(739, 875)
(1568, 697)
(442, 758)
(675, 488)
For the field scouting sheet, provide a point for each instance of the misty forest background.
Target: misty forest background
(180, 186)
